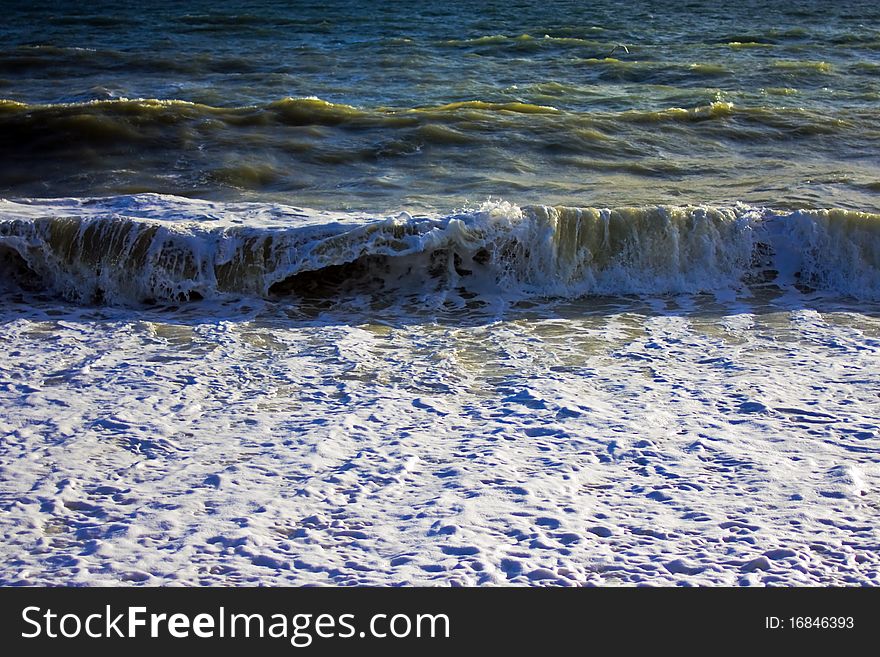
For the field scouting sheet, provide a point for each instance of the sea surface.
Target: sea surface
(389, 106)
(474, 293)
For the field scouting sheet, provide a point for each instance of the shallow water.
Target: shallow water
(614, 441)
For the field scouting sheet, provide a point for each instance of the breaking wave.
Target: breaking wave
(150, 248)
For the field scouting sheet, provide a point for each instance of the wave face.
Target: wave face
(149, 248)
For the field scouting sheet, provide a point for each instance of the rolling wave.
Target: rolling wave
(179, 147)
(111, 251)
(150, 112)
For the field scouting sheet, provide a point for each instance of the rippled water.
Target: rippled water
(601, 103)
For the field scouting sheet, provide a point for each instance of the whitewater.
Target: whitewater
(149, 248)
(203, 393)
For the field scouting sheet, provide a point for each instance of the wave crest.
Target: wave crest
(94, 252)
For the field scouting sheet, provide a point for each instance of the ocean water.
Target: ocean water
(360, 107)
(552, 293)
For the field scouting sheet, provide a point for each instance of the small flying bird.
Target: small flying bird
(614, 49)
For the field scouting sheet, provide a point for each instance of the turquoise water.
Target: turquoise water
(354, 106)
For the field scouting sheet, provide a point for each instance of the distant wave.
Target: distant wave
(123, 132)
(97, 115)
(111, 251)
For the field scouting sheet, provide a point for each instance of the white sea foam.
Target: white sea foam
(667, 441)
